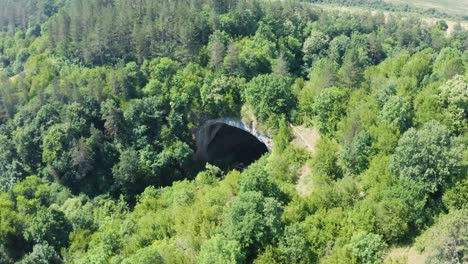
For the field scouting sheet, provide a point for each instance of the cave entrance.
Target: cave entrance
(232, 147)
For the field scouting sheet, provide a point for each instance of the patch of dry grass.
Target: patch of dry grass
(402, 255)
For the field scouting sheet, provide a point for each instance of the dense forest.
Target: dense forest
(100, 99)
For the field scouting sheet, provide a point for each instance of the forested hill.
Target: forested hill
(100, 100)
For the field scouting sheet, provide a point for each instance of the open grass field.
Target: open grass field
(457, 7)
(427, 19)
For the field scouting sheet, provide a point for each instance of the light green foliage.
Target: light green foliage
(315, 43)
(9, 218)
(383, 89)
(329, 108)
(323, 74)
(160, 72)
(293, 246)
(256, 178)
(362, 111)
(377, 178)
(285, 166)
(418, 66)
(270, 95)
(255, 56)
(322, 228)
(283, 136)
(454, 99)
(79, 211)
(449, 63)
(367, 248)
(171, 253)
(306, 96)
(185, 93)
(337, 48)
(218, 249)
(32, 194)
(325, 160)
(222, 96)
(392, 220)
(397, 112)
(427, 156)
(42, 254)
(455, 197)
(385, 137)
(210, 175)
(280, 66)
(252, 219)
(147, 255)
(216, 47)
(446, 241)
(268, 256)
(231, 60)
(427, 106)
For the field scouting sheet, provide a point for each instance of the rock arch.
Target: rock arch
(230, 142)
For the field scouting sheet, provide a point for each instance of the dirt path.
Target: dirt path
(307, 138)
(304, 185)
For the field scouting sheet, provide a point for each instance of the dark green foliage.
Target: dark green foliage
(314, 44)
(128, 172)
(367, 248)
(454, 197)
(222, 96)
(253, 220)
(427, 156)
(270, 95)
(51, 226)
(256, 178)
(11, 169)
(329, 107)
(356, 153)
(294, 247)
(42, 254)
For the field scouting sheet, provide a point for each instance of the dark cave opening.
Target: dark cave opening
(234, 148)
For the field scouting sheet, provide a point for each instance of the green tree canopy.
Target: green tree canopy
(426, 155)
(269, 95)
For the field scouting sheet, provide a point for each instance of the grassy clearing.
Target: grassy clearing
(456, 7)
(363, 10)
(403, 255)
